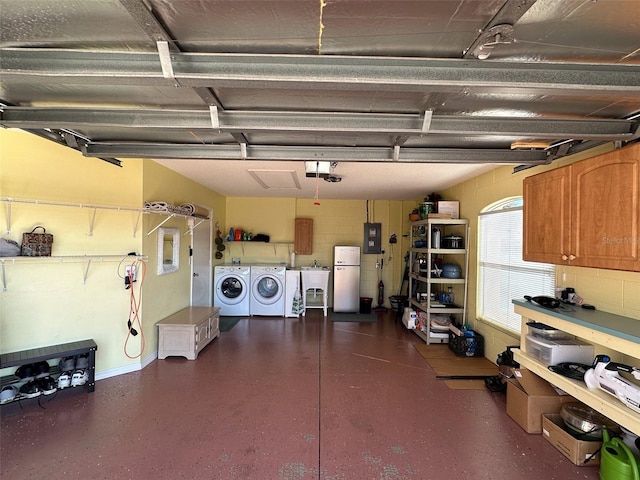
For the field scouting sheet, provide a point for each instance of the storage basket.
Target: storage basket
(464, 346)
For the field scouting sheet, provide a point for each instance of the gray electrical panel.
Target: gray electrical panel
(372, 238)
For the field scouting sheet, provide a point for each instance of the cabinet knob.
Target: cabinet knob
(572, 257)
(564, 257)
(195, 274)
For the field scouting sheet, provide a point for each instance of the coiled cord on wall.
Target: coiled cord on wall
(140, 267)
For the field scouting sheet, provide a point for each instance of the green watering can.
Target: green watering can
(617, 462)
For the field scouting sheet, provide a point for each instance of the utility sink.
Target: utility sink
(315, 282)
(315, 277)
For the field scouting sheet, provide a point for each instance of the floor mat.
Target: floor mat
(352, 317)
(445, 363)
(227, 323)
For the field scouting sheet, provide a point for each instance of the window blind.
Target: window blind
(503, 275)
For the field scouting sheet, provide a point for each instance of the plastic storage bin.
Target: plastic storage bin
(553, 352)
(464, 346)
(541, 330)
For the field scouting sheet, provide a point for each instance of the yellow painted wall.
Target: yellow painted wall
(611, 291)
(166, 294)
(335, 222)
(46, 301)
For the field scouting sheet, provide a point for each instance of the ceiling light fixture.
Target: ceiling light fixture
(332, 178)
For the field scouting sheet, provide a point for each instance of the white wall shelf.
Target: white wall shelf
(95, 207)
(274, 245)
(10, 201)
(85, 259)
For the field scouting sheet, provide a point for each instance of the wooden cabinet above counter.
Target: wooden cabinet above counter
(586, 214)
(303, 243)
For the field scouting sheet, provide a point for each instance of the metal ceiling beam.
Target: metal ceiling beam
(314, 153)
(59, 138)
(149, 23)
(28, 65)
(324, 122)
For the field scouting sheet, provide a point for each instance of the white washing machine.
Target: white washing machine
(232, 289)
(268, 289)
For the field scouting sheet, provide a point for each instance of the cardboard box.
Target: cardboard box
(578, 451)
(529, 396)
(451, 208)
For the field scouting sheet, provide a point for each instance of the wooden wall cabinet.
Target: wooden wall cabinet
(586, 214)
(303, 242)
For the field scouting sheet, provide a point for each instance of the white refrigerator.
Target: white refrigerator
(346, 278)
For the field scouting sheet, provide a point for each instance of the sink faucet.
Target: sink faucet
(315, 264)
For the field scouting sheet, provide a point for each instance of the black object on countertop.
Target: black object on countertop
(544, 301)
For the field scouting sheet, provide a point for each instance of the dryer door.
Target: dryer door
(231, 289)
(268, 289)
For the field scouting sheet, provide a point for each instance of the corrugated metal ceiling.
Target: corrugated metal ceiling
(427, 91)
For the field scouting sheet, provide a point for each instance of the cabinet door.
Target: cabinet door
(303, 243)
(202, 335)
(547, 216)
(176, 340)
(214, 326)
(606, 213)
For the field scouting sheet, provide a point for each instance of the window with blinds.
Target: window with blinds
(502, 274)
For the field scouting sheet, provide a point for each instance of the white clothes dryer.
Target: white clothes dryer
(232, 289)
(268, 289)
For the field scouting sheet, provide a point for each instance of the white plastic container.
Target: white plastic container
(546, 332)
(553, 352)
